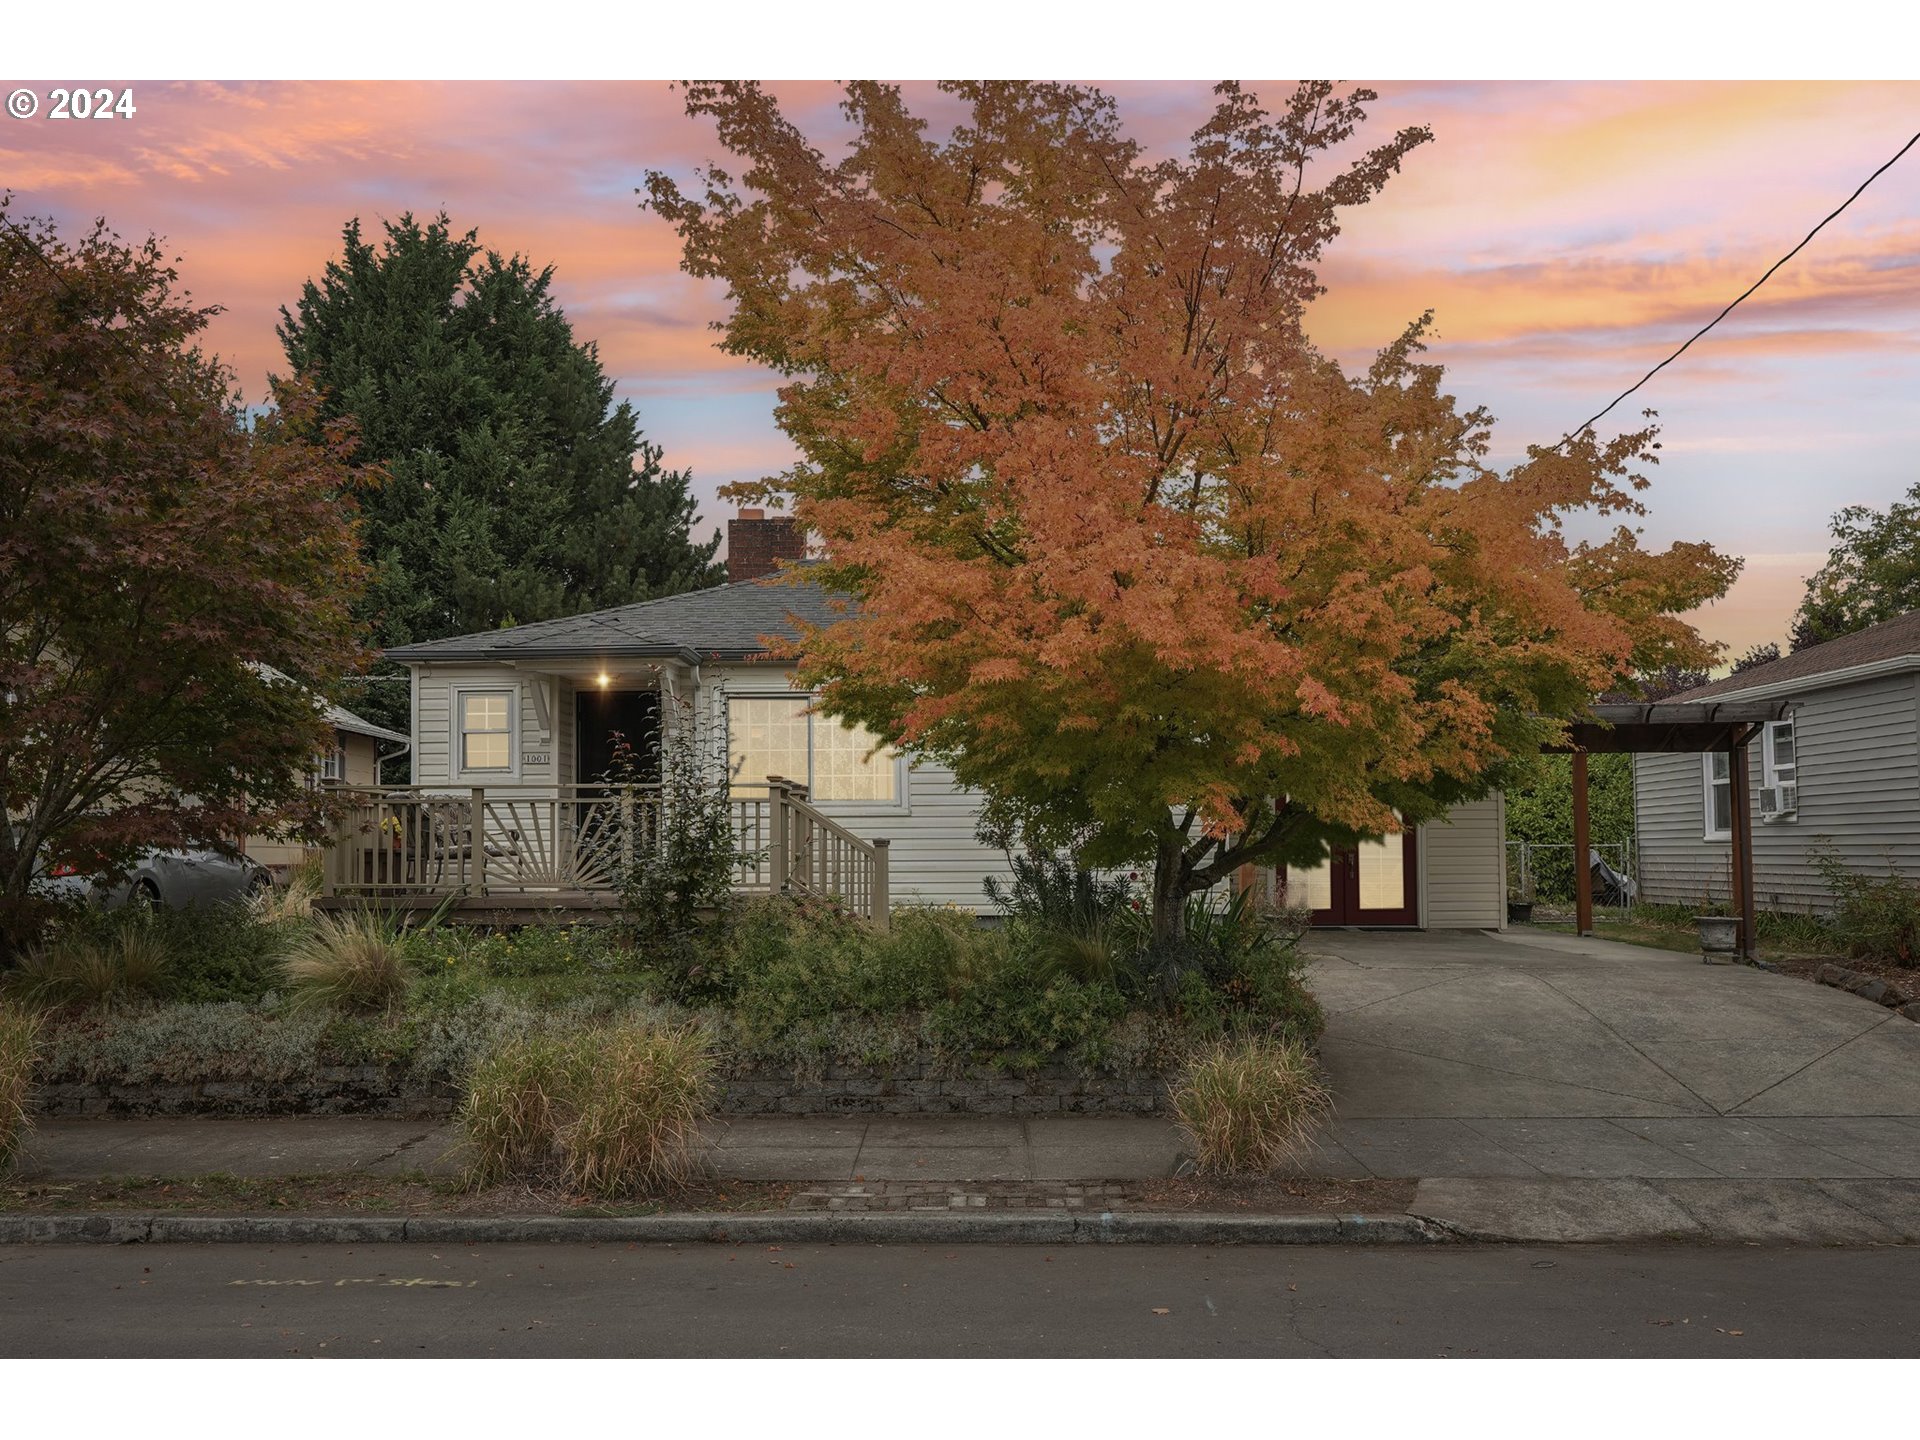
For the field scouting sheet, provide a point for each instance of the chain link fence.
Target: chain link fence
(1542, 876)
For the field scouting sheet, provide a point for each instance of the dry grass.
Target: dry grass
(291, 900)
(88, 970)
(609, 1112)
(19, 1030)
(348, 962)
(1249, 1105)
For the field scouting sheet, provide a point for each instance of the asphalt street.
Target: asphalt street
(646, 1301)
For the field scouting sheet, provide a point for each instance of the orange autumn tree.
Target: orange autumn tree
(1134, 558)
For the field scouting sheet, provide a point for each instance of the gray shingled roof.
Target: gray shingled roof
(1895, 639)
(342, 718)
(725, 622)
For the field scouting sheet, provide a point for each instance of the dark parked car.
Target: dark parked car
(174, 879)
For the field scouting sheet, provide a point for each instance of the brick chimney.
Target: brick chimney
(756, 542)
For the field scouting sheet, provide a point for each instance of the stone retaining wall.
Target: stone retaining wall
(920, 1088)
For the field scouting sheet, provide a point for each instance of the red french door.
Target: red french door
(1373, 883)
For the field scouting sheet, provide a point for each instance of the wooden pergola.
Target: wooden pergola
(1665, 728)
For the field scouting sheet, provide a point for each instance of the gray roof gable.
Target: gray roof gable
(723, 622)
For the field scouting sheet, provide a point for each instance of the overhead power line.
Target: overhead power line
(1743, 295)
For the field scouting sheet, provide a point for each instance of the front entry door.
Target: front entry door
(1372, 883)
(602, 719)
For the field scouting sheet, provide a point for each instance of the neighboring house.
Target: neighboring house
(1839, 775)
(527, 716)
(353, 759)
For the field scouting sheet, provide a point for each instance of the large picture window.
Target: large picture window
(1716, 777)
(774, 735)
(486, 730)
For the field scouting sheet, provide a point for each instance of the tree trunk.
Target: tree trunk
(1169, 892)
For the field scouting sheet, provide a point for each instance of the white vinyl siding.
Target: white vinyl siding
(1856, 767)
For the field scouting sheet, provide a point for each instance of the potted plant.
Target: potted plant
(1719, 938)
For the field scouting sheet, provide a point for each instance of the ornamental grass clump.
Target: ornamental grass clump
(345, 962)
(95, 969)
(1249, 1104)
(609, 1112)
(291, 900)
(19, 1030)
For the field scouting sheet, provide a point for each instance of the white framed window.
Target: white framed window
(771, 735)
(331, 764)
(483, 722)
(1779, 771)
(1717, 782)
(1778, 754)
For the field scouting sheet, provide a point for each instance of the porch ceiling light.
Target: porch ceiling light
(603, 677)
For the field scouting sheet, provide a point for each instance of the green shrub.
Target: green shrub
(1875, 917)
(80, 968)
(612, 1111)
(1248, 1105)
(19, 1030)
(349, 961)
(1072, 923)
(786, 963)
(220, 952)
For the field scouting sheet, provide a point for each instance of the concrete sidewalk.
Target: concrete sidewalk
(784, 1148)
(1068, 1148)
(1767, 1188)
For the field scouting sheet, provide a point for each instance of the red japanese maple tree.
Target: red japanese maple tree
(159, 558)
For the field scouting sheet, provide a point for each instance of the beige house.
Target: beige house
(353, 759)
(519, 726)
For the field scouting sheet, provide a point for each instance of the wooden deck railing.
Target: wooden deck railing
(577, 841)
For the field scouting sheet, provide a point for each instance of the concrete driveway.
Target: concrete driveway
(1527, 1054)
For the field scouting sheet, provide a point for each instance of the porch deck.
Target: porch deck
(568, 848)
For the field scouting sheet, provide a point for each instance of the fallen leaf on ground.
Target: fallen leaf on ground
(1161, 1310)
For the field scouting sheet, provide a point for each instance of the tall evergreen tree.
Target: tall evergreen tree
(517, 489)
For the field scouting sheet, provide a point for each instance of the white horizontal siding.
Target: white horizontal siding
(433, 719)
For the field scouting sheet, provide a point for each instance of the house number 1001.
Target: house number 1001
(535, 757)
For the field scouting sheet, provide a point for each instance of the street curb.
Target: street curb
(768, 1228)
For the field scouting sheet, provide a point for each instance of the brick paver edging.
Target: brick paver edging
(770, 1228)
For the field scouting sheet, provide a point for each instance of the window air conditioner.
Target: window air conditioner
(1778, 800)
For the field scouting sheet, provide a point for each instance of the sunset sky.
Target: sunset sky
(1568, 235)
